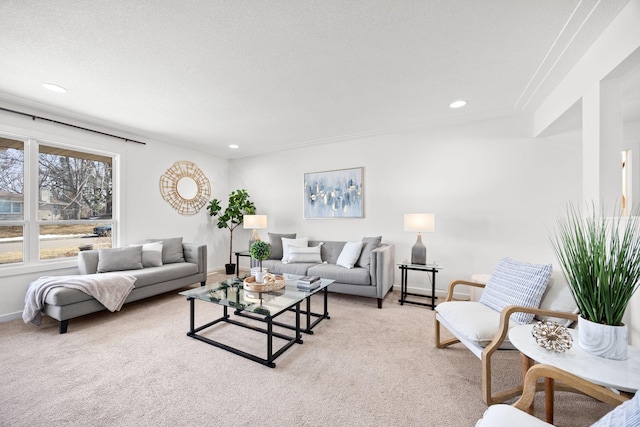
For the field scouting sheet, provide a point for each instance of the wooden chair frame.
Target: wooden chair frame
(551, 374)
(486, 353)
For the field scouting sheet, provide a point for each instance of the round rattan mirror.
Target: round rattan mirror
(185, 187)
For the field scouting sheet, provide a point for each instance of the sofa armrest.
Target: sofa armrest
(197, 254)
(88, 262)
(382, 269)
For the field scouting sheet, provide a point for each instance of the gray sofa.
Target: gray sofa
(63, 304)
(371, 277)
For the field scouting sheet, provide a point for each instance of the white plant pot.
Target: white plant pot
(260, 275)
(601, 340)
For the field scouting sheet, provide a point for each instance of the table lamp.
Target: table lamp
(254, 222)
(420, 222)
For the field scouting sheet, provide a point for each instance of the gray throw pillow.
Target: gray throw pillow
(120, 259)
(370, 243)
(172, 251)
(275, 239)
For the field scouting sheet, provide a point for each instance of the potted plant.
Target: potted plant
(260, 251)
(238, 206)
(600, 258)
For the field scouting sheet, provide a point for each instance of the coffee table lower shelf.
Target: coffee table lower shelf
(271, 356)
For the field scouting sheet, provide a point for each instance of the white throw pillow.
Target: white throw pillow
(350, 254)
(302, 242)
(310, 254)
(152, 254)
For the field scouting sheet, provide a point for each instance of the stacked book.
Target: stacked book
(308, 283)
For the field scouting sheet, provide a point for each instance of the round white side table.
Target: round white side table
(621, 375)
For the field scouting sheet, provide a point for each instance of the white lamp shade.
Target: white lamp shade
(420, 222)
(254, 221)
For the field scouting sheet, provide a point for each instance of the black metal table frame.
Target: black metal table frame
(238, 255)
(404, 268)
(307, 312)
(271, 356)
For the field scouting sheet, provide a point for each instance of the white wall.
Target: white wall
(143, 212)
(495, 191)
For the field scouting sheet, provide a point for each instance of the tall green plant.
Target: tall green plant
(239, 205)
(600, 259)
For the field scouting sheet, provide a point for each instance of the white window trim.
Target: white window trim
(30, 220)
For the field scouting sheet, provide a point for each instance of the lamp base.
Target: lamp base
(419, 252)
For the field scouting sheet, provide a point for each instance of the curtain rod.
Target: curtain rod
(34, 117)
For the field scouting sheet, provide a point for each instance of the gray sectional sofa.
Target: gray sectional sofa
(183, 264)
(372, 275)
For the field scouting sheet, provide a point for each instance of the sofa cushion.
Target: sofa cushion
(309, 254)
(516, 283)
(350, 254)
(279, 267)
(171, 249)
(144, 277)
(152, 254)
(287, 243)
(154, 275)
(275, 240)
(118, 259)
(352, 276)
(474, 321)
(369, 244)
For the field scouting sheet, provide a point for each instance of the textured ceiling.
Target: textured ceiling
(268, 75)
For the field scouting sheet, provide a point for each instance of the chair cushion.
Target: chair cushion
(506, 415)
(474, 321)
(627, 414)
(516, 283)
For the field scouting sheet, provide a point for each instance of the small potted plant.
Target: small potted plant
(600, 258)
(260, 251)
(239, 205)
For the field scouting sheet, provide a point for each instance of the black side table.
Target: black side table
(429, 268)
(238, 255)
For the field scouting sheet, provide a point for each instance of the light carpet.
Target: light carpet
(137, 367)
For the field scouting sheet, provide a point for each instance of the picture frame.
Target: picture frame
(334, 194)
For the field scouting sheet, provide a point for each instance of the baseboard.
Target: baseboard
(10, 316)
(440, 293)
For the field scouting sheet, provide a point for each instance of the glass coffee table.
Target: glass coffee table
(261, 307)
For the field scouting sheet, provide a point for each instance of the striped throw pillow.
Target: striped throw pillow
(516, 283)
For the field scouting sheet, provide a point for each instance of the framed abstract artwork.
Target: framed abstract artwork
(333, 194)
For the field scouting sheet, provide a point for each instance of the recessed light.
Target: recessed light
(234, 146)
(458, 104)
(54, 88)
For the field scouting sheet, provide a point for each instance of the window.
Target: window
(54, 201)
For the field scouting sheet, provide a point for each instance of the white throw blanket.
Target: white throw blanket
(109, 289)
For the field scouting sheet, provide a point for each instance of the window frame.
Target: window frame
(30, 223)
